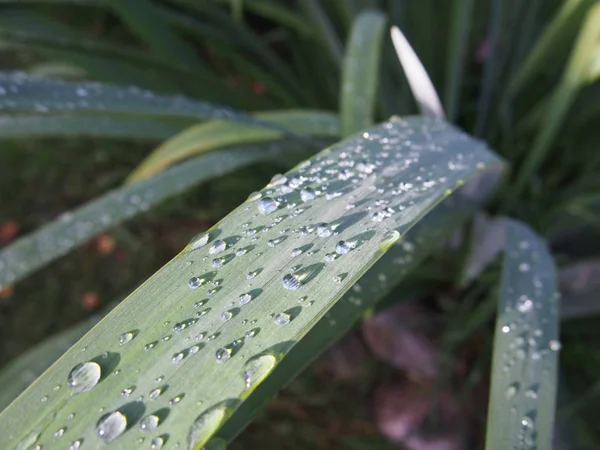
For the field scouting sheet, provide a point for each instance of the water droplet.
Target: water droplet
(389, 239)
(150, 345)
(111, 426)
(177, 357)
(157, 443)
(324, 230)
(267, 205)
(254, 196)
(524, 304)
(84, 377)
(175, 400)
(282, 319)
(126, 337)
(75, 445)
(223, 354)
(199, 241)
(555, 345)
(291, 281)
(149, 423)
(512, 390)
(251, 275)
(217, 263)
(296, 252)
(307, 194)
(206, 424)
(195, 282)
(244, 298)
(127, 391)
(344, 247)
(251, 333)
(226, 315)
(28, 441)
(257, 369)
(218, 246)
(60, 432)
(506, 329)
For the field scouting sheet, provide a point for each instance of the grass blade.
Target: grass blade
(462, 11)
(22, 92)
(329, 36)
(421, 86)
(578, 73)
(360, 71)
(525, 362)
(428, 235)
(33, 251)
(217, 134)
(28, 127)
(240, 344)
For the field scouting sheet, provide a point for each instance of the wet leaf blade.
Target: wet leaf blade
(360, 71)
(389, 272)
(240, 339)
(525, 361)
(34, 126)
(59, 237)
(217, 134)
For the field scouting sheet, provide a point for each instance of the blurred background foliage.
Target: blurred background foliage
(521, 74)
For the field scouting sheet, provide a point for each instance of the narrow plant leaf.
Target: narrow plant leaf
(22, 92)
(28, 127)
(33, 251)
(578, 73)
(217, 134)
(360, 71)
(427, 236)
(314, 10)
(525, 361)
(421, 86)
(231, 305)
(145, 20)
(462, 11)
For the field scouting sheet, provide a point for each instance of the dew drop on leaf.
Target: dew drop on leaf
(223, 354)
(75, 445)
(84, 377)
(126, 337)
(257, 369)
(195, 283)
(307, 194)
(149, 423)
(156, 443)
(199, 241)
(324, 230)
(111, 426)
(282, 319)
(291, 281)
(267, 205)
(344, 247)
(218, 246)
(244, 298)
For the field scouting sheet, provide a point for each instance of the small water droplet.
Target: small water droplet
(282, 319)
(244, 298)
(149, 423)
(291, 281)
(254, 196)
(76, 445)
(223, 354)
(60, 432)
(344, 247)
(512, 390)
(307, 194)
(175, 400)
(217, 263)
(111, 426)
(157, 443)
(195, 282)
(267, 205)
(150, 345)
(251, 275)
(218, 246)
(126, 337)
(324, 230)
(177, 357)
(524, 304)
(226, 315)
(127, 391)
(555, 345)
(154, 393)
(84, 377)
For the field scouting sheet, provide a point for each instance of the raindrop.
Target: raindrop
(156, 443)
(199, 241)
(84, 377)
(205, 425)
(223, 354)
(251, 333)
(177, 357)
(111, 426)
(307, 194)
(75, 445)
(344, 247)
(226, 315)
(291, 281)
(282, 319)
(555, 345)
(257, 369)
(60, 432)
(150, 346)
(512, 390)
(126, 337)
(218, 246)
(251, 275)
(175, 400)
(127, 391)
(154, 393)
(195, 282)
(217, 263)
(324, 230)
(296, 252)
(244, 298)
(149, 423)
(254, 196)
(524, 304)
(267, 205)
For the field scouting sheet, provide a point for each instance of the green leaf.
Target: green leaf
(578, 73)
(525, 361)
(248, 308)
(33, 251)
(389, 272)
(28, 127)
(314, 10)
(217, 134)
(145, 20)
(360, 72)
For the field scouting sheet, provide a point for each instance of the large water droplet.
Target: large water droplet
(111, 426)
(199, 241)
(282, 319)
(28, 441)
(218, 246)
(291, 281)
(84, 377)
(267, 205)
(149, 423)
(257, 369)
(244, 298)
(205, 425)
